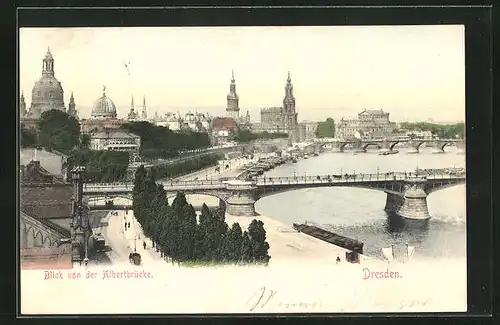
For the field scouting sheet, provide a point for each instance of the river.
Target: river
(359, 213)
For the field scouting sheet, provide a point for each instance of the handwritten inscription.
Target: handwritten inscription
(260, 294)
(104, 274)
(369, 274)
(265, 297)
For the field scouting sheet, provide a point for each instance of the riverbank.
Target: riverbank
(294, 284)
(287, 245)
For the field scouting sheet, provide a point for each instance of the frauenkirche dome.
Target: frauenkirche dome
(47, 92)
(104, 107)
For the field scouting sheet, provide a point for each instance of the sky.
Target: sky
(415, 73)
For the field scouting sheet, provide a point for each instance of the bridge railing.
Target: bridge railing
(351, 178)
(316, 179)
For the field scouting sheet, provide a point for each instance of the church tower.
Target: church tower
(132, 114)
(144, 112)
(289, 114)
(22, 106)
(72, 107)
(233, 109)
(47, 93)
(48, 64)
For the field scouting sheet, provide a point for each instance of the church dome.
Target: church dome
(103, 108)
(47, 92)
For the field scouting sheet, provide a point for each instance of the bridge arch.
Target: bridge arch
(396, 188)
(171, 195)
(345, 144)
(365, 146)
(93, 199)
(393, 144)
(419, 143)
(443, 145)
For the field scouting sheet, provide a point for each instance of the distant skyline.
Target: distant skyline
(413, 72)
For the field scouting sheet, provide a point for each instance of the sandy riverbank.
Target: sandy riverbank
(291, 283)
(302, 276)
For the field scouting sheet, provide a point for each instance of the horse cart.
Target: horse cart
(135, 258)
(99, 243)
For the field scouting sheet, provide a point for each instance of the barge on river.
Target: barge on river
(330, 237)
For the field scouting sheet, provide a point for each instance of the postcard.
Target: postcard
(201, 170)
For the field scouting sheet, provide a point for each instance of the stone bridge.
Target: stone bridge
(361, 145)
(406, 192)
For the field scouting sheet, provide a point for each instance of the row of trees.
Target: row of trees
(101, 166)
(247, 136)
(184, 167)
(325, 129)
(161, 142)
(181, 238)
(57, 130)
(443, 131)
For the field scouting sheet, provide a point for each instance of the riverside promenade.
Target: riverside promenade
(286, 244)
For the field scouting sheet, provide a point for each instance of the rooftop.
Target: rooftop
(113, 134)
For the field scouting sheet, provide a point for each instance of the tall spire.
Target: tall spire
(72, 106)
(144, 112)
(132, 103)
(22, 105)
(232, 75)
(103, 91)
(289, 80)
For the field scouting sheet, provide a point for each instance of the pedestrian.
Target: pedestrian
(125, 226)
(338, 258)
(128, 224)
(144, 244)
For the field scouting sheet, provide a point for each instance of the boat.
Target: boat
(294, 160)
(330, 237)
(388, 152)
(306, 156)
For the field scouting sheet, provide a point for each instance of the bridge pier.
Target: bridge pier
(411, 206)
(437, 146)
(413, 146)
(393, 203)
(241, 202)
(222, 205)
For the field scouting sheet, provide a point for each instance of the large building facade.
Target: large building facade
(369, 124)
(115, 140)
(281, 119)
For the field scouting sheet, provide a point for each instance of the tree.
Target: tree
(202, 229)
(101, 166)
(187, 232)
(138, 201)
(160, 142)
(231, 248)
(246, 252)
(28, 137)
(58, 130)
(260, 246)
(217, 229)
(84, 141)
(325, 129)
